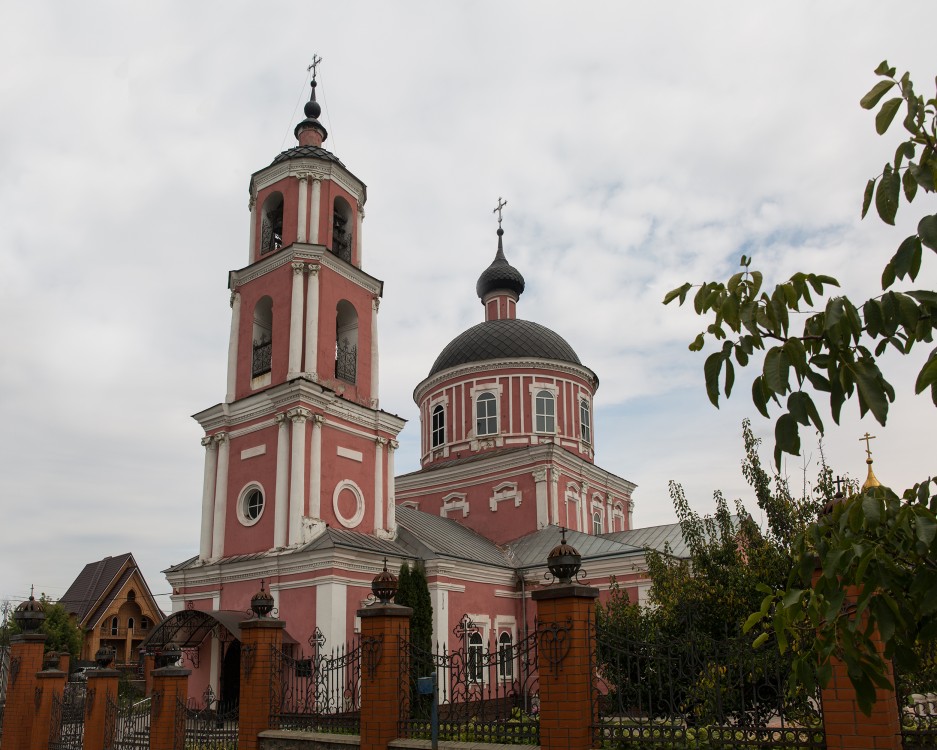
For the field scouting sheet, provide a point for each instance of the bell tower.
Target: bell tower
(300, 441)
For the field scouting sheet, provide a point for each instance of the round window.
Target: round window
(251, 505)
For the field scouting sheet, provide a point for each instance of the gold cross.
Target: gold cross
(867, 437)
(501, 204)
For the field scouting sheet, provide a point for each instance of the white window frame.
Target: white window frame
(488, 397)
(549, 427)
(475, 652)
(505, 491)
(598, 525)
(505, 666)
(435, 429)
(585, 425)
(452, 502)
(243, 500)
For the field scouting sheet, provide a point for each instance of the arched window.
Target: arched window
(114, 626)
(597, 522)
(131, 595)
(346, 342)
(144, 623)
(341, 229)
(486, 415)
(505, 656)
(475, 658)
(439, 426)
(545, 409)
(130, 624)
(585, 422)
(262, 337)
(271, 225)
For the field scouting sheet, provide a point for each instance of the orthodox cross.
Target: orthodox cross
(501, 204)
(313, 65)
(317, 639)
(867, 437)
(465, 626)
(839, 486)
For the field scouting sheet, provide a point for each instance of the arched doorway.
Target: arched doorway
(231, 677)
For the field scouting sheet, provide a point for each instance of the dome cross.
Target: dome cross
(497, 210)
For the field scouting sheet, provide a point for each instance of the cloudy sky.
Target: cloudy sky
(638, 145)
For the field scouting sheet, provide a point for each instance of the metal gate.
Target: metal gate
(206, 726)
(67, 727)
(131, 727)
(916, 693)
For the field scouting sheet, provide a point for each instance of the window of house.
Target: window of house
(131, 595)
(144, 623)
(262, 360)
(597, 522)
(130, 624)
(585, 422)
(114, 626)
(475, 658)
(439, 426)
(271, 226)
(505, 656)
(545, 411)
(250, 505)
(486, 415)
(346, 342)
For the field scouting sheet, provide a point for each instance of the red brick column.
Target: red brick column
(25, 662)
(65, 659)
(169, 686)
(259, 638)
(383, 627)
(149, 664)
(102, 684)
(845, 725)
(49, 683)
(566, 623)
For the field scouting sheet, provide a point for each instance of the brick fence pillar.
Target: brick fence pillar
(260, 637)
(149, 664)
(565, 638)
(25, 662)
(169, 685)
(383, 628)
(49, 683)
(99, 722)
(845, 725)
(65, 660)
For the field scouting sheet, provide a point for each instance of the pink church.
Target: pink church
(299, 487)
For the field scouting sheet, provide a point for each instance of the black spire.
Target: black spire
(500, 274)
(312, 110)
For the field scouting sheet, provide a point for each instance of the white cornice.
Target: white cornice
(314, 167)
(303, 253)
(495, 366)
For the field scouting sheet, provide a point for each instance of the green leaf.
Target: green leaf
(927, 377)
(886, 114)
(909, 184)
(875, 94)
(680, 292)
(927, 231)
(776, 370)
(786, 436)
(867, 197)
(907, 261)
(884, 70)
(753, 619)
(887, 194)
(872, 507)
(760, 640)
(872, 393)
(760, 396)
(697, 343)
(925, 528)
(711, 370)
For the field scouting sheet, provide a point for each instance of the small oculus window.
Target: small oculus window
(545, 410)
(486, 415)
(439, 426)
(250, 505)
(585, 423)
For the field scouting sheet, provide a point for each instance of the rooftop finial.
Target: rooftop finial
(312, 108)
(497, 210)
(500, 274)
(871, 480)
(310, 132)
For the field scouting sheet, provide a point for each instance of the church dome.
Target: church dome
(500, 275)
(504, 339)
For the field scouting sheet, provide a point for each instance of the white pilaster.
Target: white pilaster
(540, 479)
(296, 321)
(233, 345)
(609, 514)
(302, 213)
(221, 495)
(392, 446)
(379, 483)
(555, 496)
(585, 512)
(312, 322)
(281, 501)
(315, 468)
(360, 237)
(297, 475)
(208, 497)
(314, 212)
(252, 240)
(332, 612)
(375, 381)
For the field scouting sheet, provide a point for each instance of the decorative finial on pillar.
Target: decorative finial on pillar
(871, 480)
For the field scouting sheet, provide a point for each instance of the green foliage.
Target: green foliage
(62, 634)
(413, 592)
(867, 570)
(836, 350)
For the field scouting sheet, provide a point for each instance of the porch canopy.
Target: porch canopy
(189, 627)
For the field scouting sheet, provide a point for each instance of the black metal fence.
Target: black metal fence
(320, 692)
(917, 702)
(262, 358)
(697, 692)
(4, 677)
(346, 362)
(486, 692)
(67, 728)
(130, 728)
(206, 725)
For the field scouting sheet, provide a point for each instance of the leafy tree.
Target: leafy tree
(413, 592)
(62, 634)
(876, 549)
(837, 349)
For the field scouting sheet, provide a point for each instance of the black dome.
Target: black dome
(504, 339)
(500, 275)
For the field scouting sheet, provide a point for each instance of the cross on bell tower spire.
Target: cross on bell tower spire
(311, 132)
(497, 210)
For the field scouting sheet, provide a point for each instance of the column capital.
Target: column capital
(280, 418)
(298, 267)
(251, 202)
(375, 302)
(361, 212)
(299, 415)
(303, 176)
(208, 441)
(393, 445)
(220, 437)
(235, 296)
(318, 420)
(379, 441)
(313, 269)
(540, 475)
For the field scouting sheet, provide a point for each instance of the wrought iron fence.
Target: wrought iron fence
(261, 361)
(320, 692)
(67, 727)
(131, 725)
(697, 692)
(346, 362)
(206, 725)
(917, 701)
(485, 694)
(4, 675)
